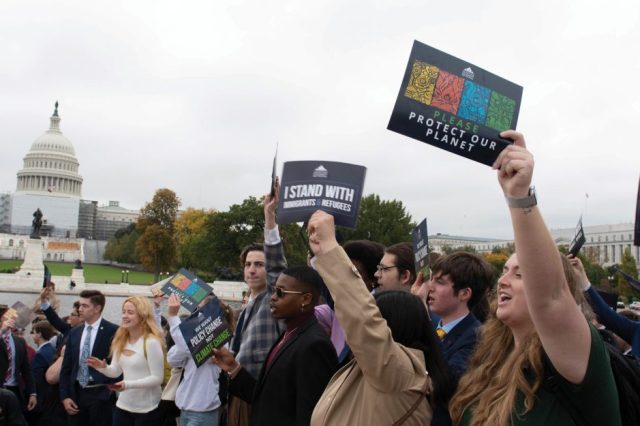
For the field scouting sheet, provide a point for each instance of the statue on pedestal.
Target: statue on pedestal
(36, 224)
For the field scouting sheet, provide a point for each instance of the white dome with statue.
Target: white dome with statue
(51, 165)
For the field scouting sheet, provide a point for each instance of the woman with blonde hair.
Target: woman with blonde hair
(137, 354)
(537, 361)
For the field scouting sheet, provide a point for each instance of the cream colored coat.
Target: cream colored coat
(384, 379)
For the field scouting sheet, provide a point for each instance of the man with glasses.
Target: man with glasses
(300, 364)
(396, 270)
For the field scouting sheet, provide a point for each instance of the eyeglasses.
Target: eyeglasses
(280, 292)
(381, 267)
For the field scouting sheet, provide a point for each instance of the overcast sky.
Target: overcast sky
(193, 96)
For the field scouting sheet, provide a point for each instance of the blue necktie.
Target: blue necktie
(83, 375)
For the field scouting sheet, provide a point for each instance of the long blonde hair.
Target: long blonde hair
(497, 372)
(147, 322)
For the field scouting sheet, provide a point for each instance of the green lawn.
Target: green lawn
(92, 273)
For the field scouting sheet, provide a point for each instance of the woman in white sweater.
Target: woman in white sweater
(137, 354)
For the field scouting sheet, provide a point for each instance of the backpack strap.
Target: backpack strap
(421, 398)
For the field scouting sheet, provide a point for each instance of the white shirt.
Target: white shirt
(142, 376)
(198, 390)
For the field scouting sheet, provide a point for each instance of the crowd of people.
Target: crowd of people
(356, 337)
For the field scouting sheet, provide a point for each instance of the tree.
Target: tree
(156, 246)
(497, 260)
(225, 234)
(122, 247)
(447, 249)
(190, 227)
(628, 266)
(157, 249)
(386, 222)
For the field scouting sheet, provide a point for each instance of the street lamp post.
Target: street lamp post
(127, 276)
(122, 277)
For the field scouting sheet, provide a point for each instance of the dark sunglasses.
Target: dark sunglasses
(280, 293)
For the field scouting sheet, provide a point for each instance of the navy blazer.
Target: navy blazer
(69, 369)
(458, 345)
(287, 391)
(42, 361)
(24, 375)
(56, 321)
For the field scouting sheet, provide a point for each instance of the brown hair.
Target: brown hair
(45, 329)
(404, 258)
(96, 298)
(251, 247)
(466, 270)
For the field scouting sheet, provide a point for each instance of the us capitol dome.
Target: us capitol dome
(51, 165)
(49, 181)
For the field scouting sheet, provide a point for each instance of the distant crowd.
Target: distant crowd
(355, 337)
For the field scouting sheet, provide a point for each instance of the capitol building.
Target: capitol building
(73, 228)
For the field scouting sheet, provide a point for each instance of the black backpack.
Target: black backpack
(626, 372)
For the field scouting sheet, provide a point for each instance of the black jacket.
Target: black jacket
(287, 391)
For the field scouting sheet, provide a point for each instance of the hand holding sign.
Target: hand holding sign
(270, 205)
(173, 305)
(322, 233)
(515, 166)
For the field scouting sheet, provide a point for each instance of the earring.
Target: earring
(302, 307)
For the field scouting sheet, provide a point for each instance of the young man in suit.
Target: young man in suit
(15, 370)
(459, 281)
(84, 402)
(298, 366)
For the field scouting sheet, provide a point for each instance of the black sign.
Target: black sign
(420, 241)
(205, 330)
(189, 288)
(454, 105)
(307, 186)
(578, 239)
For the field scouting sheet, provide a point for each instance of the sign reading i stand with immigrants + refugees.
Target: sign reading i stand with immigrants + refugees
(189, 288)
(454, 105)
(420, 240)
(333, 187)
(205, 330)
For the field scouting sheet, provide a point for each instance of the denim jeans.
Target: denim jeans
(199, 418)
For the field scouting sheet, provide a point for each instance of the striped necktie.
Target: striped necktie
(7, 341)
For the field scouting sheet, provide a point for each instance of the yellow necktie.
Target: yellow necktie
(441, 333)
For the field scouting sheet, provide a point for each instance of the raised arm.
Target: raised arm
(562, 328)
(273, 250)
(623, 327)
(386, 365)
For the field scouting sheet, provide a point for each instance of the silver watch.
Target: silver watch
(525, 202)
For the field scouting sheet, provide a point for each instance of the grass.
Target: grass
(92, 273)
